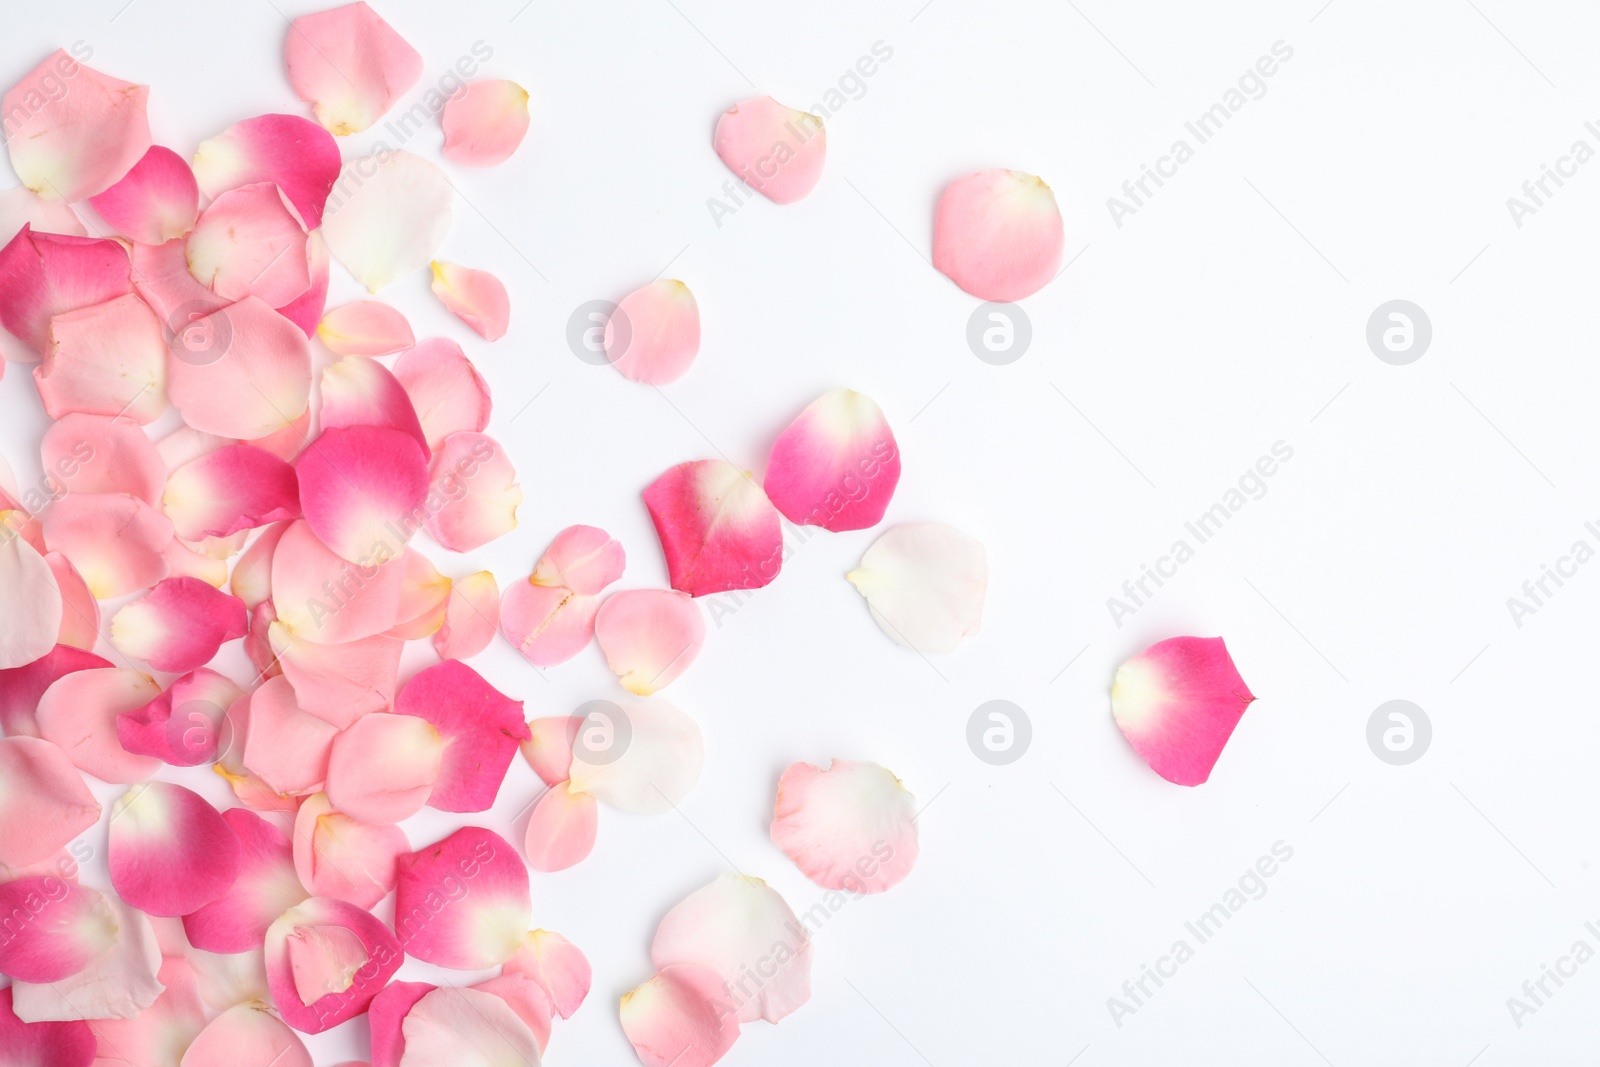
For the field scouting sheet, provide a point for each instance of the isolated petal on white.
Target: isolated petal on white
(851, 827)
(387, 216)
(925, 584)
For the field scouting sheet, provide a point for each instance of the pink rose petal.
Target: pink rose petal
(338, 683)
(243, 371)
(471, 617)
(350, 951)
(654, 334)
(349, 65)
(161, 278)
(548, 625)
(295, 154)
(463, 902)
(484, 122)
(265, 888)
(115, 541)
(105, 359)
(776, 150)
(120, 983)
(557, 965)
(305, 310)
(160, 1034)
(360, 391)
(80, 611)
(584, 559)
(661, 753)
(423, 596)
(21, 687)
(72, 131)
(30, 602)
(361, 490)
(43, 275)
(155, 201)
(247, 1035)
(184, 726)
(251, 580)
(383, 766)
(388, 215)
(475, 489)
(250, 242)
(449, 394)
(548, 748)
(20, 206)
(998, 234)
(849, 827)
(649, 636)
(323, 598)
(53, 929)
(528, 999)
(286, 746)
(717, 528)
(481, 728)
(104, 455)
(232, 489)
(679, 1018)
(925, 584)
(178, 625)
(387, 1016)
(365, 328)
(561, 830)
(836, 465)
(446, 1021)
(1177, 703)
(340, 857)
(169, 852)
(79, 712)
(46, 804)
(475, 297)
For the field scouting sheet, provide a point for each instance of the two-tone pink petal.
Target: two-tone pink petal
(170, 852)
(155, 201)
(72, 131)
(476, 297)
(850, 827)
(297, 155)
(326, 960)
(349, 65)
(365, 328)
(266, 886)
(836, 465)
(464, 901)
(717, 528)
(360, 490)
(178, 625)
(480, 726)
(1177, 703)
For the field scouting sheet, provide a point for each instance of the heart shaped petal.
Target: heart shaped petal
(116, 542)
(548, 625)
(1177, 703)
(998, 234)
(584, 559)
(324, 598)
(925, 585)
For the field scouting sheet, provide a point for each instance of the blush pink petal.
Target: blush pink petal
(850, 827)
(836, 465)
(349, 65)
(21, 687)
(481, 728)
(548, 625)
(104, 455)
(584, 559)
(186, 562)
(471, 617)
(448, 393)
(80, 611)
(365, 328)
(388, 216)
(998, 234)
(251, 580)
(548, 749)
(265, 888)
(121, 983)
(72, 131)
(473, 493)
(315, 936)
(1177, 703)
(732, 926)
(386, 1017)
(360, 391)
(925, 584)
(776, 150)
(155, 201)
(422, 599)
(484, 122)
(31, 608)
(161, 279)
(362, 489)
(45, 804)
(323, 598)
(649, 636)
(178, 625)
(654, 334)
(20, 206)
(43, 275)
(562, 829)
(289, 441)
(286, 746)
(115, 541)
(339, 683)
(557, 965)
(250, 242)
(185, 725)
(54, 928)
(528, 999)
(232, 489)
(475, 297)
(340, 857)
(169, 851)
(463, 902)
(159, 1035)
(247, 1035)
(243, 371)
(383, 766)
(679, 1018)
(662, 752)
(295, 154)
(105, 359)
(79, 713)
(305, 310)
(717, 528)
(448, 1021)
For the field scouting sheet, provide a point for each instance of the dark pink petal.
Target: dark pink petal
(362, 489)
(105, 359)
(776, 150)
(316, 938)
(717, 528)
(473, 493)
(339, 683)
(247, 1035)
(184, 726)
(998, 234)
(448, 393)
(295, 154)
(243, 371)
(836, 465)
(179, 625)
(679, 1018)
(463, 902)
(448, 1019)
(548, 625)
(383, 766)
(54, 1044)
(548, 749)
(79, 712)
(365, 328)
(340, 857)
(386, 1016)
(53, 928)
(43, 275)
(559, 966)
(285, 745)
(649, 636)
(561, 830)
(155, 201)
(169, 852)
(360, 391)
(484, 122)
(234, 488)
(654, 334)
(31, 607)
(45, 804)
(471, 617)
(481, 728)
(476, 297)
(266, 886)
(101, 454)
(584, 559)
(250, 242)
(1177, 703)
(305, 310)
(21, 687)
(349, 65)
(80, 611)
(72, 131)
(115, 541)
(323, 598)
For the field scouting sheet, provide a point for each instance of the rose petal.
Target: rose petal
(155, 201)
(295, 154)
(178, 625)
(30, 603)
(185, 562)
(343, 858)
(471, 617)
(79, 712)
(476, 490)
(21, 687)
(43, 275)
(1177, 703)
(445, 388)
(235, 488)
(463, 902)
(717, 528)
(323, 598)
(654, 334)
(422, 599)
(247, 787)
(101, 454)
(349, 65)
(119, 984)
(80, 611)
(365, 328)
(998, 234)
(362, 489)
(547, 625)
(388, 215)
(360, 391)
(115, 541)
(481, 728)
(475, 297)
(386, 1017)
(72, 131)
(559, 967)
(679, 1018)
(484, 122)
(247, 1035)
(849, 827)
(53, 929)
(561, 830)
(307, 938)
(250, 242)
(925, 584)
(584, 559)
(243, 371)
(836, 465)
(184, 726)
(161, 278)
(170, 852)
(528, 999)
(46, 804)
(266, 886)
(548, 748)
(383, 767)
(289, 441)
(305, 310)
(740, 927)
(642, 757)
(649, 636)
(105, 359)
(251, 581)
(776, 150)
(467, 1028)
(159, 1035)
(287, 746)
(338, 683)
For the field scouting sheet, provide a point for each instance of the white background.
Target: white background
(1227, 314)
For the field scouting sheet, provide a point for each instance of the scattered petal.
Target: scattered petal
(155, 201)
(776, 150)
(386, 1017)
(20, 206)
(484, 122)
(365, 328)
(80, 611)
(649, 636)
(243, 371)
(717, 528)
(1177, 703)
(849, 827)
(562, 829)
(349, 65)
(250, 242)
(360, 391)
(79, 712)
(548, 749)
(476, 297)
(836, 465)
(105, 359)
(295, 154)
(247, 1035)
(654, 334)
(120, 984)
(184, 726)
(448, 1021)
(43, 275)
(471, 617)
(528, 999)
(463, 902)
(54, 928)
(388, 216)
(161, 278)
(423, 596)
(998, 234)
(346, 953)
(449, 394)
(362, 489)
(343, 858)
(481, 728)
(101, 454)
(679, 1018)
(63, 1044)
(72, 131)
(30, 602)
(323, 598)
(475, 487)
(251, 581)
(21, 687)
(45, 804)
(235, 488)
(265, 888)
(115, 541)
(169, 852)
(925, 584)
(383, 767)
(305, 310)
(287, 746)
(559, 967)
(548, 625)
(642, 757)
(159, 1035)
(178, 625)
(339, 683)
(584, 559)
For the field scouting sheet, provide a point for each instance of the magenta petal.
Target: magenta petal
(295, 154)
(836, 465)
(1177, 703)
(305, 310)
(52, 1044)
(360, 391)
(155, 201)
(463, 902)
(385, 1016)
(266, 886)
(312, 937)
(169, 852)
(717, 528)
(362, 490)
(21, 687)
(481, 728)
(45, 804)
(72, 131)
(45, 274)
(179, 625)
(53, 928)
(184, 725)
(234, 488)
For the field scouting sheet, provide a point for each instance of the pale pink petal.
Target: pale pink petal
(323, 598)
(53, 928)
(1177, 703)
(266, 886)
(349, 65)
(286, 746)
(184, 726)
(475, 297)
(250, 242)
(362, 489)
(448, 393)
(43, 275)
(178, 625)
(360, 391)
(324, 960)
(243, 371)
(386, 1016)
(72, 131)
(559, 967)
(463, 902)
(21, 687)
(484, 122)
(251, 581)
(119, 984)
(473, 493)
(80, 611)
(115, 541)
(548, 749)
(339, 683)
(481, 728)
(776, 150)
(383, 767)
(717, 528)
(186, 562)
(998, 234)
(288, 441)
(102, 454)
(351, 951)
(170, 852)
(161, 278)
(641, 757)
(548, 625)
(925, 584)
(528, 999)
(45, 804)
(471, 617)
(295, 154)
(155, 201)
(31, 610)
(584, 559)
(247, 1035)
(250, 789)
(654, 334)
(305, 310)
(561, 830)
(159, 1035)
(388, 215)
(105, 359)
(649, 636)
(340, 857)
(467, 1028)
(739, 927)
(423, 596)
(235, 488)
(365, 328)
(79, 712)
(836, 465)
(679, 1018)
(20, 206)
(849, 827)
